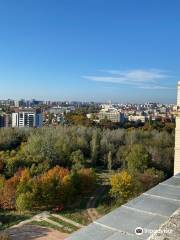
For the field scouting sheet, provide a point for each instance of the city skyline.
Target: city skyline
(90, 50)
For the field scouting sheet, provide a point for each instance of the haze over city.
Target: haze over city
(93, 50)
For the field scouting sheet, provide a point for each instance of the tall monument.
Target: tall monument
(177, 134)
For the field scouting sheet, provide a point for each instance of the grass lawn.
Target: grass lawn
(104, 208)
(45, 224)
(66, 228)
(105, 203)
(77, 215)
(66, 225)
(77, 212)
(10, 218)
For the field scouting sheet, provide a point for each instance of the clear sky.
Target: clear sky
(119, 50)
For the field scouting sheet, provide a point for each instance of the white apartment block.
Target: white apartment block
(27, 118)
(136, 118)
(110, 113)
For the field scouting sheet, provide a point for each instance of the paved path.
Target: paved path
(39, 217)
(25, 231)
(93, 214)
(32, 232)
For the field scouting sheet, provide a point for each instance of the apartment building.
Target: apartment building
(27, 117)
(110, 113)
(137, 118)
(4, 120)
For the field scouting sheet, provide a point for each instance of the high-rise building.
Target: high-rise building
(4, 120)
(27, 117)
(1, 121)
(17, 103)
(178, 94)
(177, 134)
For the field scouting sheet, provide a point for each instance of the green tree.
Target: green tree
(110, 161)
(138, 158)
(2, 181)
(77, 158)
(95, 145)
(24, 201)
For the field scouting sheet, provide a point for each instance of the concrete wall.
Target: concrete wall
(177, 135)
(177, 147)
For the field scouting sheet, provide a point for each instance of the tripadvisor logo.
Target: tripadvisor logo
(138, 231)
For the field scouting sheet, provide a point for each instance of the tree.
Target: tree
(1, 165)
(8, 193)
(110, 161)
(121, 155)
(2, 182)
(51, 185)
(48, 190)
(41, 147)
(95, 147)
(77, 118)
(77, 158)
(138, 158)
(123, 186)
(150, 178)
(84, 180)
(24, 201)
(169, 127)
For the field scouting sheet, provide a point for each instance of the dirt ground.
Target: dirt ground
(31, 232)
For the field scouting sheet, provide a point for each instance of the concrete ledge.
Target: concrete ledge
(150, 211)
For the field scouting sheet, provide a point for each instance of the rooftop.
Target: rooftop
(156, 209)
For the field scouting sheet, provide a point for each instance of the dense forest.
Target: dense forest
(50, 167)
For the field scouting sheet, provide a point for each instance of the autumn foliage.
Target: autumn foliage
(122, 186)
(50, 168)
(8, 193)
(54, 188)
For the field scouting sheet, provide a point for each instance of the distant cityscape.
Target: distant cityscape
(34, 113)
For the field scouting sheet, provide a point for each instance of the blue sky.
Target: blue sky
(119, 50)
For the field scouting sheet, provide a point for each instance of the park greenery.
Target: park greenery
(51, 168)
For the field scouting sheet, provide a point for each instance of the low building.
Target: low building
(137, 118)
(61, 110)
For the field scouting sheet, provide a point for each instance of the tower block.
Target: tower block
(177, 134)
